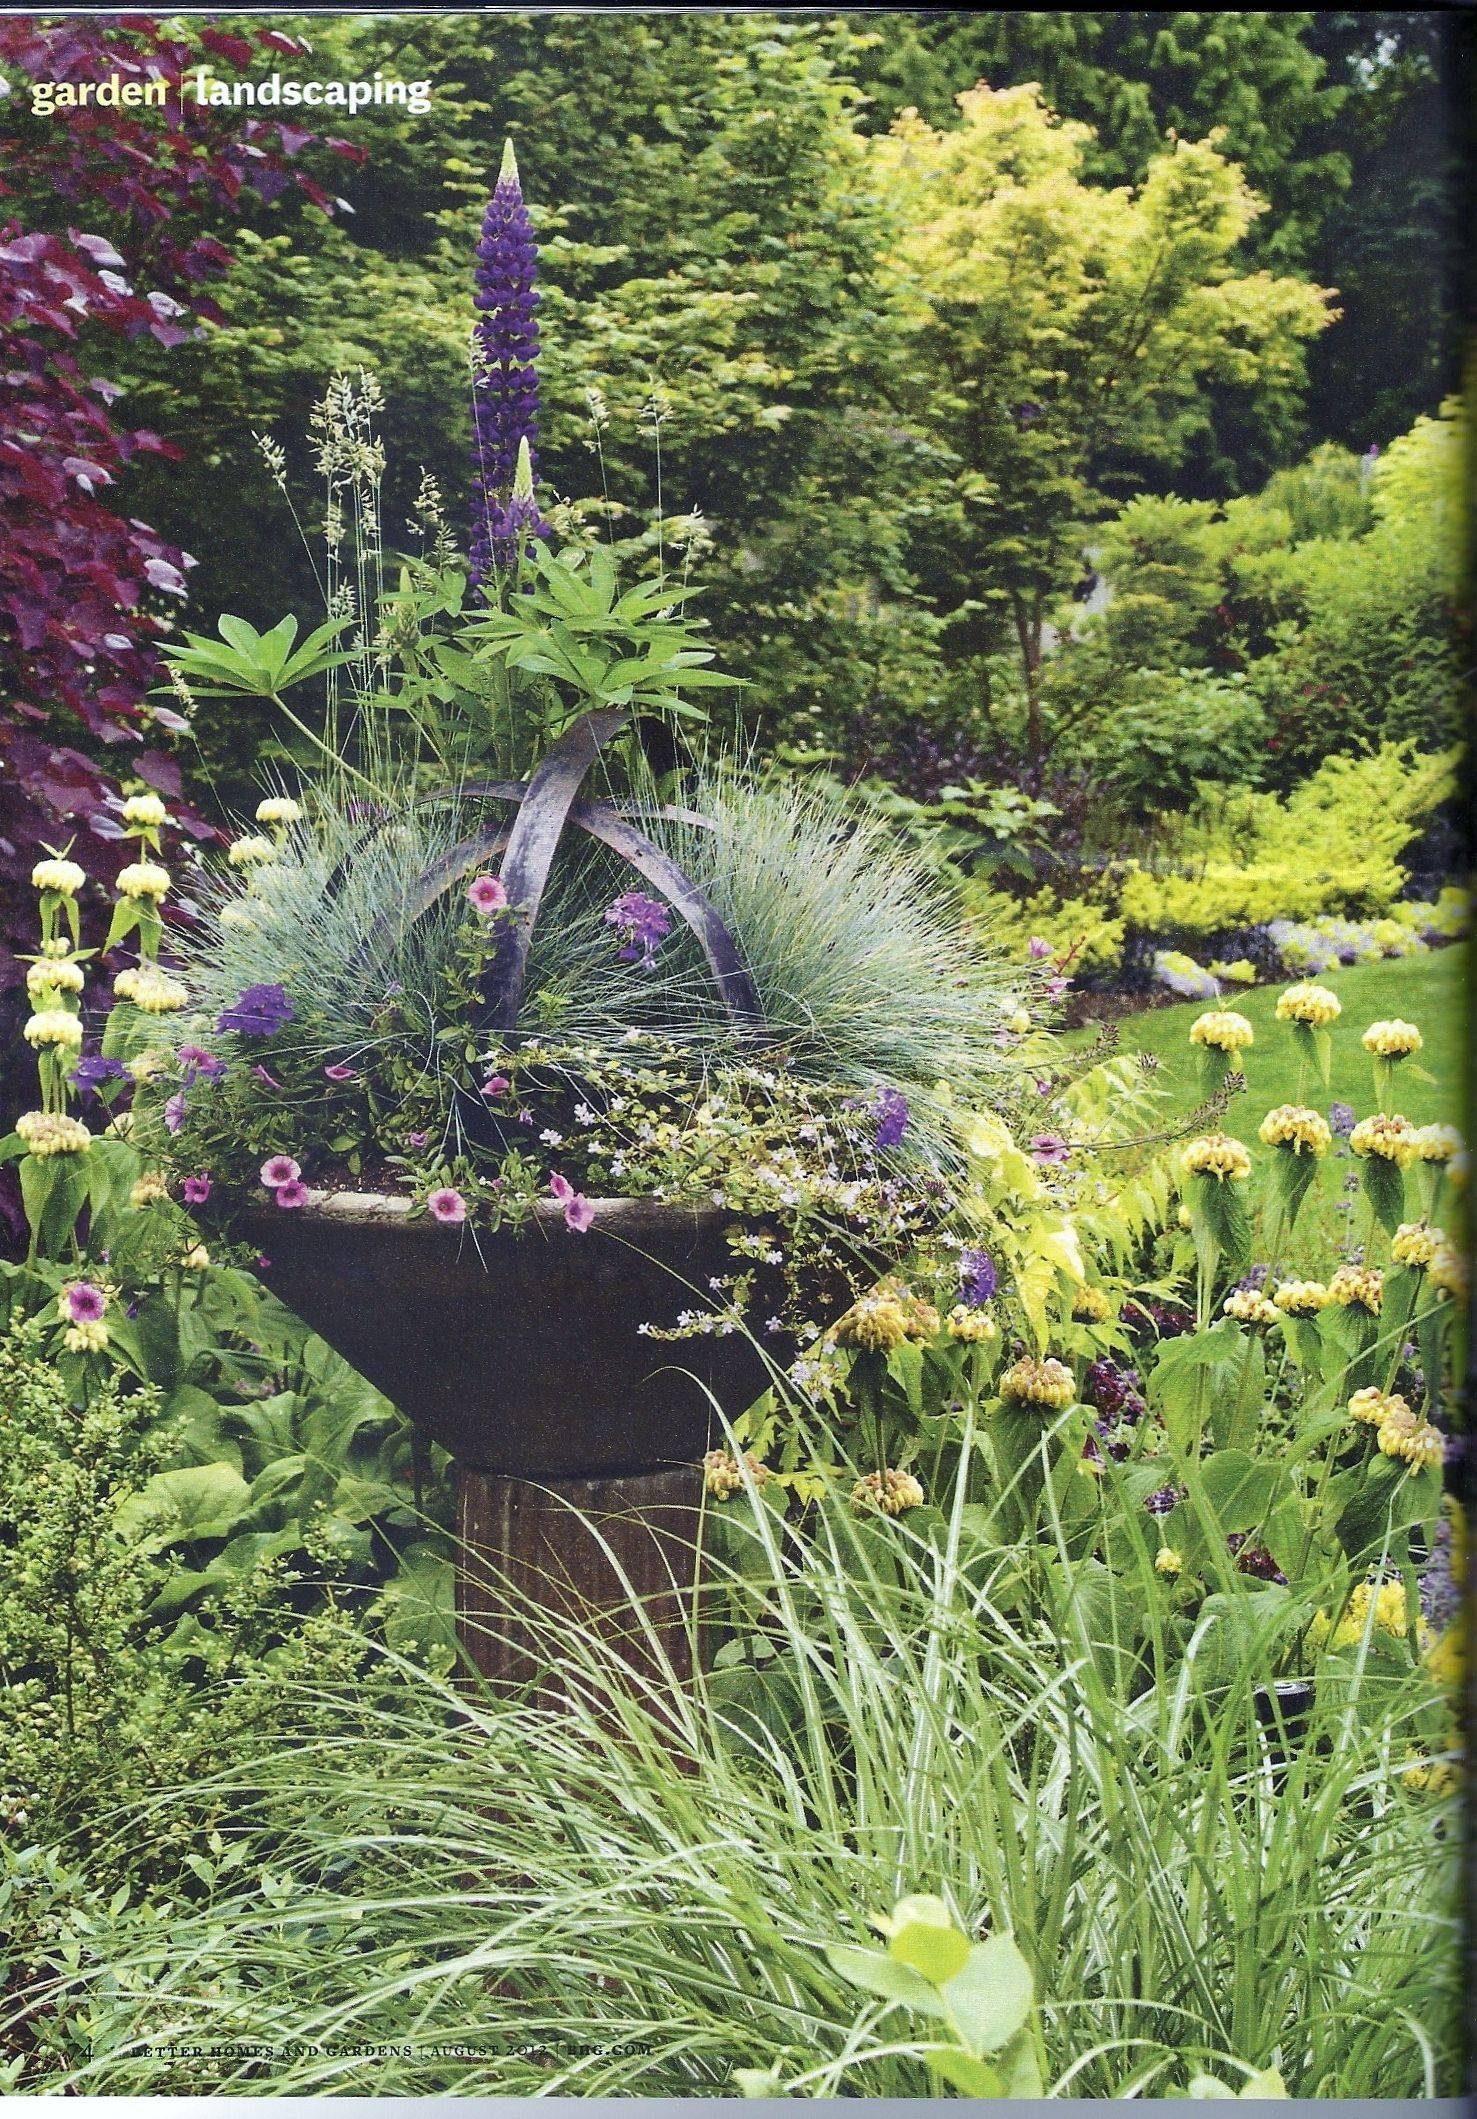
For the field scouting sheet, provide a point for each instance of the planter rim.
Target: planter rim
(614, 1217)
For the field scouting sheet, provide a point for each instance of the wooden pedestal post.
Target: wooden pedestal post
(586, 1550)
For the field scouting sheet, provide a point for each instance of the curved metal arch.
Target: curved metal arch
(547, 803)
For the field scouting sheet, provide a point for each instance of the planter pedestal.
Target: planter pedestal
(589, 1550)
(521, 1353)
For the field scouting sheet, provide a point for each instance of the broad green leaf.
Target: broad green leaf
(990, 1998)
(877, 1973)
(924, 1936)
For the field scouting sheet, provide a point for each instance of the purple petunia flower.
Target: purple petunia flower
(194, 1191)
(89, 1074)
(174, 1111)
(83, 1302)
(199, 1064)
(279, 1170)
(978, 1278)
(505, 404)
(1050, 1148)
(342, 1072)
(1038, 949)
(642, 923)
(891, 1112)
(291, 1195)
(447, 1206)
(1341, 1119)
(257, 1011)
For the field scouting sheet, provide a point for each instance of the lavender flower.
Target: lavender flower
(198, 1063)
(1341, 1119)
(978, 1278)
(892, 1114)
(642, 923)
(1162, 1500)
(505, 381)
(257, 1011)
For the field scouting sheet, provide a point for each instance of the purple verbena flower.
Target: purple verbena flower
(505, 407)
(642, 923)
(257, 1011)
(978, 1278)
(890, 1110)
(89, 1074)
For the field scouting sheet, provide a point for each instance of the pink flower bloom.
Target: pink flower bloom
(447, 1205)
(1050, 1148)
(268, 1081)
(485, 894)
(578, 1213)
(561, 1187)
(292, 1194)
(280, 1170)
(417, 1140)
(83, 1302)
(340, 1073)
(1038, 949)
(496, 1085)
(174, 1112)
(195, 1190)
(263, 1263)
(1055, 988)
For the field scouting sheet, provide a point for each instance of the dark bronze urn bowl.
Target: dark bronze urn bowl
(521, 1351)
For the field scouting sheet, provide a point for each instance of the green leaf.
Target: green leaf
(197, 1501)
(1384, 1188)
(877, 1973)
(971, 2077)
(924, 1936)
(1239, 1488)
(990, 1999)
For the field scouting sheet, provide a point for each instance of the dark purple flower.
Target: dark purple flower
(1341, 1119)
(257, 1011)
(174, 1111)
(505, 380)
(89, 1074)
(1253, 1559)
(1162, 1500)
(642, 923)
(891, 1112)
(978, 1279)
(1115, 1391)
(1441, 1593)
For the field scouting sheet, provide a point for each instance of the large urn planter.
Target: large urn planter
(577, 1437)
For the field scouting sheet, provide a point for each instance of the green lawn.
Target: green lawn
(1429, 991)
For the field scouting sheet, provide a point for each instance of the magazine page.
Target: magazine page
(733, 898)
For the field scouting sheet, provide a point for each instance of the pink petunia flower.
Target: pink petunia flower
(263, 1263)
(1037, 949)
(1049, 1148)
(447, 1205)
(561, 1187)
(292, 1194)
(268, 1081)
(485, 894)
(195, 1190)
(417, 1140)
(280, 1170)
(578, 1213)
(174, 1111)
(340, 1073)
(496, 1085)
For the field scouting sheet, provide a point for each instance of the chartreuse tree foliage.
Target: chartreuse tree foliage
(1064, 336)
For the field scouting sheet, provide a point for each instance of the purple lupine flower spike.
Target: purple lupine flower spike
(505, 381)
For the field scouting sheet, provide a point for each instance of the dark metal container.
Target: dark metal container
(521, 1351)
